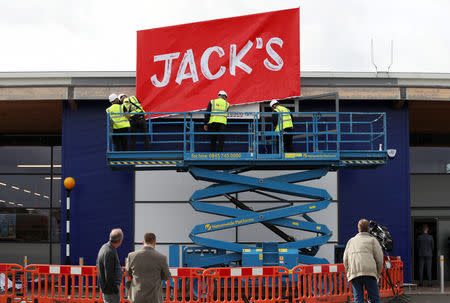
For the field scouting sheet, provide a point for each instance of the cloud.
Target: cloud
(335, 35)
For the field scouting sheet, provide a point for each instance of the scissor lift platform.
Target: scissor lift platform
(323, 142)
(320, 139)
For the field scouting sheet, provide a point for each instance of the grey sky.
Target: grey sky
(100, 35)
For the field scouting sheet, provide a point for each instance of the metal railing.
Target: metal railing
(254, 133)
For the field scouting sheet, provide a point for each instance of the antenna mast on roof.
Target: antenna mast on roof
(373, 60)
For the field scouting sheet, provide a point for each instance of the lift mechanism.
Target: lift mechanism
(228, 183)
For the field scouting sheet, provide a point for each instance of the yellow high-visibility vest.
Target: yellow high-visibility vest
(219, 108)
(117, 116)
(133, 104)
(285, 117)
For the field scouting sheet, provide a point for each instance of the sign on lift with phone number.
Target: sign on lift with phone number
(216, 156)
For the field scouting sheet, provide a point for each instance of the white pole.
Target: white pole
(441, 262)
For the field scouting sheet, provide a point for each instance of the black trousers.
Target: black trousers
(287, 140)
(120, 142)
(138, 125)
(424, 261)
(216, 128)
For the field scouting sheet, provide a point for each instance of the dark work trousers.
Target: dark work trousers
(216, 127)
(138, 125)
(424, 261)
(120, 142)
(287, 138)
(371, 286)
(287, 141)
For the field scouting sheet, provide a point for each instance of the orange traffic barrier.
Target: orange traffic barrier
(328, 283)
(11, 283)
(303, 284)
(247, 284)
(320, 283)
(185, 285)
(69, 283)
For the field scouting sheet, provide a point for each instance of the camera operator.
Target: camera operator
(363, 261)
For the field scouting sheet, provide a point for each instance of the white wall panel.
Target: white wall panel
(172, 222)
(166, 186)
(259, 233)
(327, 251)
(174, 186)
(327, 182)
(162, 248)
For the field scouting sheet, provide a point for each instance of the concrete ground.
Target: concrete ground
(425, 294)
(436, 298)
(426, 290)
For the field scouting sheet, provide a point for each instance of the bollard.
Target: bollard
(25, 261)
(441, 262)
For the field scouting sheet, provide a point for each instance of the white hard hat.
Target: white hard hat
(274, 101)
(222, 93)
(112, 97)
(121, 95)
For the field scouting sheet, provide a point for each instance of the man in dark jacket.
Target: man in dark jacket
(425, 245)
(109, 269)
(147, 269)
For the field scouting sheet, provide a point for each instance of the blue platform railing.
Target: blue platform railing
(251, 135)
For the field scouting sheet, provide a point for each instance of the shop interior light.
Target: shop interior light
(54, 178)
(25, 190)
(12, 203)
(2, 201)
(38, 165)
(19, 204)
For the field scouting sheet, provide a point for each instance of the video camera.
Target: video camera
(383, 236)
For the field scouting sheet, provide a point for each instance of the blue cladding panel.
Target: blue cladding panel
(381, 194)
(102, 199)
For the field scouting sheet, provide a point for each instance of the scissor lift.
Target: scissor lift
(323, 142)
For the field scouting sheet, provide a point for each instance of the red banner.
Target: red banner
(252, 58)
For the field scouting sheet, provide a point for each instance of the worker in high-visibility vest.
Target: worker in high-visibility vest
(286, 124)
(118, 123)
(137, 119)
(216, 120)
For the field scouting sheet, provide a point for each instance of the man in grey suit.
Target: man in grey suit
(425, 244)
(147, 269)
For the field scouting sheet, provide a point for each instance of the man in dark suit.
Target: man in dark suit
(147, 269)
(425, 244)
(109, 269)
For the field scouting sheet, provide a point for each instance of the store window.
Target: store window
(30, 203)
